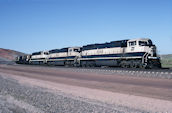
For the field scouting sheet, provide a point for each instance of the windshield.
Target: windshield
(150, 42)
(132, 43)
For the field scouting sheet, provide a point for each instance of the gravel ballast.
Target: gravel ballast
(20, 98)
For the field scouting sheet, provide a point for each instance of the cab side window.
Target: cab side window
(76, 50)
(143, 43)
(45, 53)
(70, 50)
(132, 43)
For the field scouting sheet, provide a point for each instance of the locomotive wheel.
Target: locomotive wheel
(87, 65)
(123, 65)
(127, 64)
(136, 64)
(140, 66)
(150, 66)
(83, 65)
(132, 65)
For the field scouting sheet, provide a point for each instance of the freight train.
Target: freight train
(134, 53)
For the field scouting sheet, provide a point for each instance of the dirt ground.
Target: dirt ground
(140, 93)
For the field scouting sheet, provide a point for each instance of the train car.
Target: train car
(18, 60)
(23, 59)
(134, 53)
(105, 54)
(65, 56)
(125, 53)
(57, 56)
(39, 58)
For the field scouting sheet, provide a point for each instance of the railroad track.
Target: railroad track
(105, 68)
(150, 73)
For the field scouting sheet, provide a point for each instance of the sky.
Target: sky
(34, 25)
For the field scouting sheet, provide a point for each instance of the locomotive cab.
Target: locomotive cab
(74, 51)
(144, 47)
(73, 55)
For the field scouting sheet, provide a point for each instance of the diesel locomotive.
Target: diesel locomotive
(134, 53)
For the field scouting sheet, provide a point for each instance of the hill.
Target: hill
(8, 56)
(166, 60)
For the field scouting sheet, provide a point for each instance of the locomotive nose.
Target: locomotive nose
(153, 51)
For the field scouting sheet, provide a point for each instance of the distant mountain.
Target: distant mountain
(7, 55)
